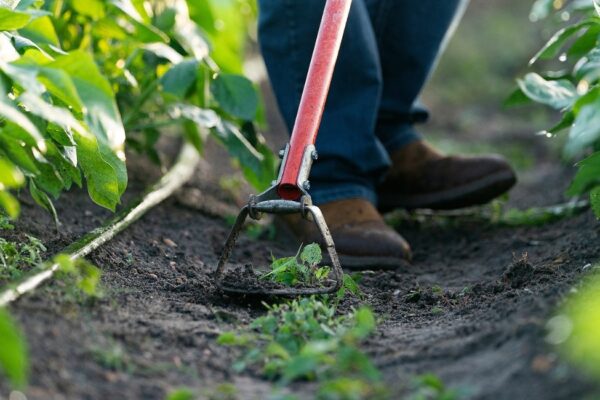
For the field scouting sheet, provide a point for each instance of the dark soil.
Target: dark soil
(471, 309)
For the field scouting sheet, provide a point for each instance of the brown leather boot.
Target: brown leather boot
(362, 239)
(421, 177)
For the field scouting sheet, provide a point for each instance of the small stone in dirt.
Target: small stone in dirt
(586, 267)
(519, 273)
(542, 363)
(169, 242)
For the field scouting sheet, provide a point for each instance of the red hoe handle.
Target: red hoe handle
(300, 153)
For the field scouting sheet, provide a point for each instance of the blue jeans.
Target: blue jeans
(389, 49)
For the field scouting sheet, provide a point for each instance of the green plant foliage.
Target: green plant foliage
(576, 327)
(112, 355)
(82, 278)
(79, 82)
(16, 257)
(431, 387)
(236, 96)
(14, 361)
(305, 269)
(574, 89)
(181, 394)
(305, 339)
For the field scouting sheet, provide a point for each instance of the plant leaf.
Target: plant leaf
(13, 357)
(102, 179)
(101, 113)
(311, 254)
(236, 95)
(42, 199)
(10, 176)
(585, 130)
(557, 94)
(180, 78)
(29, 133)
(9, 204)
(556, 43)
(595, 200)
(11, 20)
(587, 176)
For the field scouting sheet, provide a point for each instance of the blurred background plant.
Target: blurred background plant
(575, 328)
(80, 80)
(570, 84)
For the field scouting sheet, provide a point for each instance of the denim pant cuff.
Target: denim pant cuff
(402, 136)
(333, 192)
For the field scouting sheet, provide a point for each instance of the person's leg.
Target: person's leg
(351, 159)
(410, 35)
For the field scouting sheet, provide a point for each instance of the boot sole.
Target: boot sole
(475, 193)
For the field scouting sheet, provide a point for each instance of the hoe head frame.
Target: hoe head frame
(269, 202)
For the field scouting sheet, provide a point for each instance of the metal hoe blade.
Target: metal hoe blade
(254, 210)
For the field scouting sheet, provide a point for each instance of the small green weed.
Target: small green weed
(112, 356)
(305, 269)
(181, 394)
(224, 391)
(305, 340)
(81, 278)
(14, 257)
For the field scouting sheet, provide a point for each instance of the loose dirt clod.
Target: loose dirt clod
(519, 273)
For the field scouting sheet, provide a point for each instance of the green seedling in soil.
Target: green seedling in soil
(224, 391)
(14, 360)
(80, 278)
(112, 356)
(431, 387)
(301, 269)
(305, 269)
(15, 257)
(305, 340)
(181, 394)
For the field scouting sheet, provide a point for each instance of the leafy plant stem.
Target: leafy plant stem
(139, 103)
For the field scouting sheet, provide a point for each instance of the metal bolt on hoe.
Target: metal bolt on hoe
(289, 193)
